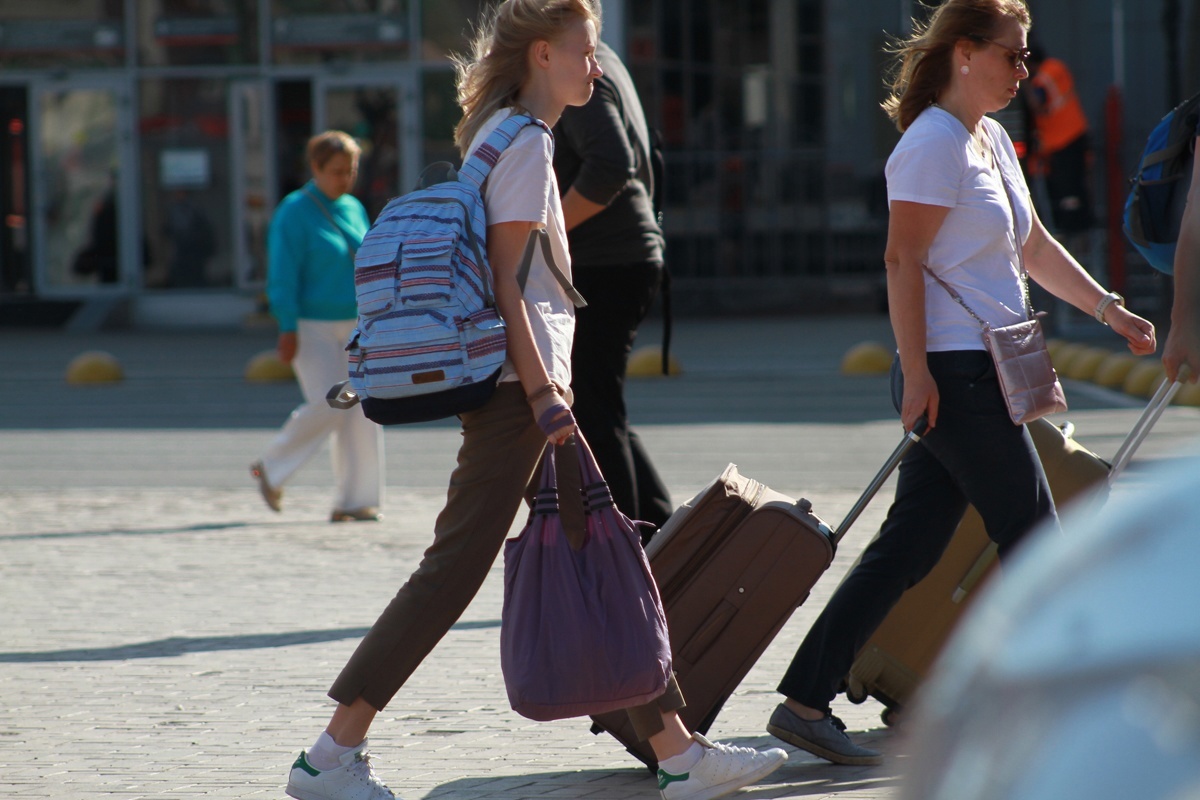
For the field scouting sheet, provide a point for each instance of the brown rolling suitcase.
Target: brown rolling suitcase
(732, 564)
(893, 662)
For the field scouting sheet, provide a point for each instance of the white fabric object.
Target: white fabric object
(679, 764)
(522, 187)
(356, 443)
(325, 754)
(936, 163)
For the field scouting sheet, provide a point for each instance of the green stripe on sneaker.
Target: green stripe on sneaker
(665, 779)
(302, 763)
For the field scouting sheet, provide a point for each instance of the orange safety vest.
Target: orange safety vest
(1060, 120)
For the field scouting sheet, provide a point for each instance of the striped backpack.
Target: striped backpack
(429, 342)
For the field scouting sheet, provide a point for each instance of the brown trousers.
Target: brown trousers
(498, 459)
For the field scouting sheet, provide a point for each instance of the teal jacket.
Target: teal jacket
(310, 266)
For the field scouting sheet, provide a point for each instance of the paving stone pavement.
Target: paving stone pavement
(164, 634)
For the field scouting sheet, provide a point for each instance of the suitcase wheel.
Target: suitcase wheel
(855, 692)
(890, 716)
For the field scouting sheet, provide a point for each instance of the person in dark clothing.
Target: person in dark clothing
(1062, 148)
(602, 160)
(1182, 349)
(99, 258)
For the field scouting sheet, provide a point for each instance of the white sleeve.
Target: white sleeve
(926, 167)
(519, 186)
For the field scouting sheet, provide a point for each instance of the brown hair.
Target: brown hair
(490, 76)
(922, 68)
(325, 146)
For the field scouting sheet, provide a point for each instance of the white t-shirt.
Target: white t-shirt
(522, 188)
(974, 250)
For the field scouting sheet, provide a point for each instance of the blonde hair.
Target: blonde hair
(923, 61)
(325, 146)
(492, 73)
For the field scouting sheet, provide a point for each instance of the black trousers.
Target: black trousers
(975, 455)
(1067, 185)
(619, 297)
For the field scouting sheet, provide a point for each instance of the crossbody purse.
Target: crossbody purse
(1027, 378)
(349, 241)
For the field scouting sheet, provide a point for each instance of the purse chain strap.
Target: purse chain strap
(1012, 207)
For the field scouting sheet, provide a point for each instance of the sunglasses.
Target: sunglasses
(1017, 56)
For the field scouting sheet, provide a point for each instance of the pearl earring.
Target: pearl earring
(964, 69)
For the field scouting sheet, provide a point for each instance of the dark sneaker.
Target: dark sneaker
(825, 737)
(354, 779)
(722, 770)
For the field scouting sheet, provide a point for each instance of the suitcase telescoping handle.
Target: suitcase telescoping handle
(910, 438)
(1154, 409)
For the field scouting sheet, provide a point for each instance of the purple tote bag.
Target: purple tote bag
(583, 629)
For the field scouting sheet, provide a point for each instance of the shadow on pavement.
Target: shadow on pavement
(800, 779)
(182, 645)
(199, 528)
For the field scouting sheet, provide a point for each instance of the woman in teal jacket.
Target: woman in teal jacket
(310, 285)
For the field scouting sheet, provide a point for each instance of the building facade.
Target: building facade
(143, 143)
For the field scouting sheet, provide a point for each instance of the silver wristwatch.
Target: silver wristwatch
(1105, 302)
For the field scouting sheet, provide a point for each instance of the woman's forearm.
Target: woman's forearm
(1057, 271)
(522, 349)
(906, 308)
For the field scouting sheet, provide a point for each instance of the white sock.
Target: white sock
(677, 765)
(325, 752)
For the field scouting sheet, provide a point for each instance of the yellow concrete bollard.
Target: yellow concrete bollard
(1188, 395)
(266, 367)
(646, 362)
(1144, 378)
(1062, 357)
(1083, 366)
(94, 366)
(1113, 370)
(867, 358)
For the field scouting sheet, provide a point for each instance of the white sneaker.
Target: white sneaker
(353, 780)
(722, 769)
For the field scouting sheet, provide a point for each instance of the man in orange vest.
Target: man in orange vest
(1061, 151)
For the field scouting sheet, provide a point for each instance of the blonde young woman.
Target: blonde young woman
(537, 57)
(959, 210)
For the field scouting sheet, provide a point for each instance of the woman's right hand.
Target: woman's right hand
(287, 346)
(920, 400)
(1181, 354)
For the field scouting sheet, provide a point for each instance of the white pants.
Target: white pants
(356, 443)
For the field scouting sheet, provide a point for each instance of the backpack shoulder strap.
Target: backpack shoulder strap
(479, 164)
(1181, 133)
(539, 236)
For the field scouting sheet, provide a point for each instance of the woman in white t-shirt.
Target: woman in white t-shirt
(949, 183)
(534, 57)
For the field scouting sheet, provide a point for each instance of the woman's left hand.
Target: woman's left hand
(1139, 333)
(554, 416)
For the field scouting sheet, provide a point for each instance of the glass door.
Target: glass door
(381, 114)
(80, 189)
(16, 266)
(252, 198)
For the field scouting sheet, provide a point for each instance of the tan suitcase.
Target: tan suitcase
(893, 662)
